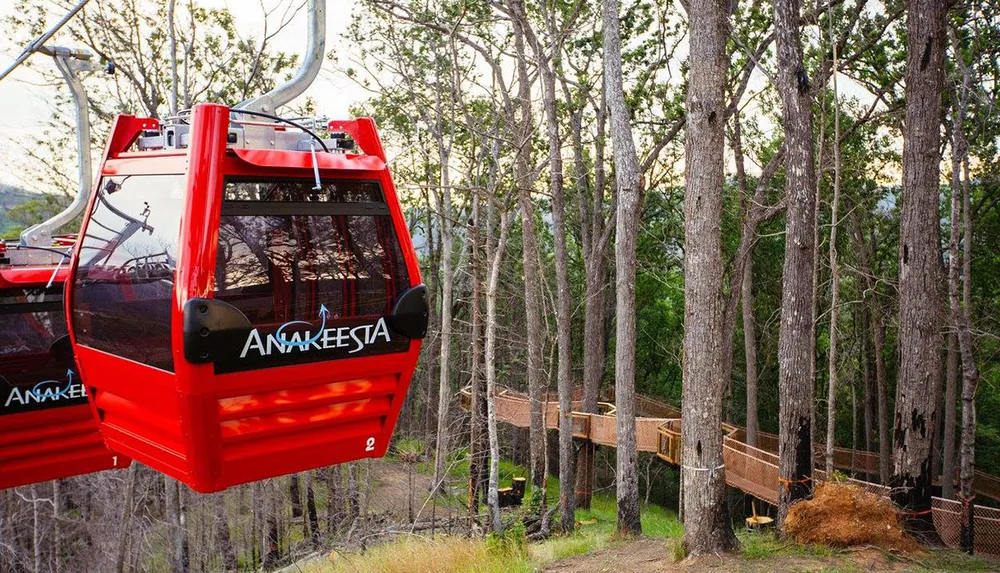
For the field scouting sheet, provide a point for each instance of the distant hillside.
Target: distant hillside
(11, 197)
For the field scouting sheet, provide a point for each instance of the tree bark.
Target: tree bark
(532, 297)
(271, 544)
(707, 528)
(477, 453)
(750, 350)
(491, 371)
(921, 310)
(948, 439)
(627, 179)
(831, 397)
(295, 495)
(335, 499)
(172, 36)
(447, 284)
(595, 233)
(222, 537)
(312, 518)
(884, 437)
(746, 284)
(797, 340)
(627, 230)
(180, 556)
(564, 317)
(961, 309)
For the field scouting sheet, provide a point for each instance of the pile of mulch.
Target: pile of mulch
(845, 515)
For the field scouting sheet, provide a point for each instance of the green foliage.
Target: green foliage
(759, 545)
(216, 64)
(410, 447)
(511, 542)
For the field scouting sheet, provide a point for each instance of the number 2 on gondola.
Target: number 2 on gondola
(370, 445)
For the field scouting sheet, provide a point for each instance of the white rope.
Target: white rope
(713, 470)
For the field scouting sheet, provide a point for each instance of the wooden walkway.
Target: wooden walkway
(753, 470)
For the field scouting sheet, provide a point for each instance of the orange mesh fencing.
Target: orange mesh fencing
(647, 434)
(604, 430)
(751, 470)
(513, 410)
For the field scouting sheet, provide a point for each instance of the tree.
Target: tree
(544, 58)
(831, 397)
(921, 311)
(960, 309)
(627, 228)
(797, 335)
(706, 517)
(524, 178)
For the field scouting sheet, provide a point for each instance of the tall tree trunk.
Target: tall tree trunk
(797, 340)
(884, 437)
(532, 296)
(746, 286)
(477, 451)
(595, 232)
(295, 495)
(921, 311)
(706, 517)
(57, 541)
(961, 310)
(868, 393)
(627, 179)
(222, 538)
(447, 281)
(125, 520)
(36, 529)
(172, 36)
(432, 280)
(564, 316)
(950, 394)
(270, 544)
(180, 557)
(335, 499)
(866, 282)
(312, 518)
(831, 397)
(491, 371)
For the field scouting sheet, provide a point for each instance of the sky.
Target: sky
(25, 105)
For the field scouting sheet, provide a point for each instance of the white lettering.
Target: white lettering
(360, 342)
(15, 394)
(353, 338)
(381, 329)
(45, 392)
(253, 341)
(273, 342)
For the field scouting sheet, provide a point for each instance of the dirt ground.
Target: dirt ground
(392, 492)
(657, 555)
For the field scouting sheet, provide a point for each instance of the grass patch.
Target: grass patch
(949, 560)
(759, 545)
(595, 531)
(440, 555)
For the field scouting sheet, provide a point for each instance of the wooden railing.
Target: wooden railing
(753, 470)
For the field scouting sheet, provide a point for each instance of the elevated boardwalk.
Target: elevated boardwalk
(753, 470)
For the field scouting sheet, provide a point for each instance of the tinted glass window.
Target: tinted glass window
(36, 361)
(283, 256)
(124, 283)
(287, 251)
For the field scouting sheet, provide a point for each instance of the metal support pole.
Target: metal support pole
(69, 62)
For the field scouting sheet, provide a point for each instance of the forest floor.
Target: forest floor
(763, 554)
(402, 489)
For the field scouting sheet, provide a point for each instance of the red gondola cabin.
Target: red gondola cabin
(245, 302)
(47, 430)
